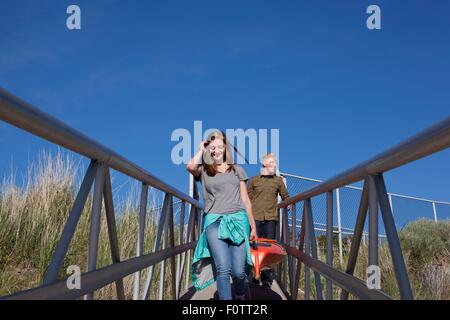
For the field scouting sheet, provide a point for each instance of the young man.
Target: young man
(263, 191)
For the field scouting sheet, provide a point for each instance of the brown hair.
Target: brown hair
(209, 166)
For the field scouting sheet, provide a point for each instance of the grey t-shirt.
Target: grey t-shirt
(222, 193)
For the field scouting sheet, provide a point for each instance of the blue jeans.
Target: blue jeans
(229, 260)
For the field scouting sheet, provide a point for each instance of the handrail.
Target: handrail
(290, 175)
(429, 141)
(99, 278)
(344, 280)
(23, 115)
(374, 196)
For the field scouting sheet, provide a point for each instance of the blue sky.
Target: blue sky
(136, 71)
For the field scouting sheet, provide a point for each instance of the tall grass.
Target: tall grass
(426, 247)
(33, 215)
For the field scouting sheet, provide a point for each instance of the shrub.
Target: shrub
(424, 241)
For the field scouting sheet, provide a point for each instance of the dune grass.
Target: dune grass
(426, 249)
(33, 215)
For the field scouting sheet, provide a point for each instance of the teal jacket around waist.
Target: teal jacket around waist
(233, 226)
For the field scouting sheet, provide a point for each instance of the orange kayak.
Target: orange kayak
(266, 253)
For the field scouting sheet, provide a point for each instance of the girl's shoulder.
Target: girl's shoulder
(240, 172)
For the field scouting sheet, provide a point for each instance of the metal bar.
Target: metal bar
(23, 115)
(180, 242)
(313, 248)
(140, 239)
(191, 229)
(99, 278)
(325, 225)
(338, 208)
(71, 224)
(183, 260)
(112, 231)
(307, 249)
(195, 195)
(94, 231)
(188, 267)
(299, 265)
(359, 229)
(390, 202)
(172, 259)
(162, 272)
(434, 212)
(373, 223)
(401, 272)
(359, 188)
(189, 236)
(329, 293)
(156, 244)
(278, 229)
(342, 279)
(427, 142)
(284, 174)
(293, 243)
(287, 260)
(416, 198)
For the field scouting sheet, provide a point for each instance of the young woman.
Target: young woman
(223, 249)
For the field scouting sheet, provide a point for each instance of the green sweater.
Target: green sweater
(234, 226)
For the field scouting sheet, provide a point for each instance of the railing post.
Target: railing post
(180, 259)
(307, 250)
(313, 246)
(278, 238)
(286, 239)
(156, 244)
(164, 246)
(434, 212)
(140, 239)
(71, 224)
(190, 237)
(338, 208)
(172, 245)
(300, 247)
(112, 231)
(358, 233)
(391, 203)
(373, 223)
(329, 241)
(293, 244)
(94, 231)
(401, 272)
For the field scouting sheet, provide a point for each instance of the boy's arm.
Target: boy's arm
(250, 189)
(282, 190)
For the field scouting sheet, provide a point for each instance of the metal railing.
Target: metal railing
(404, 208)
(303, 249)
(24, 116)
